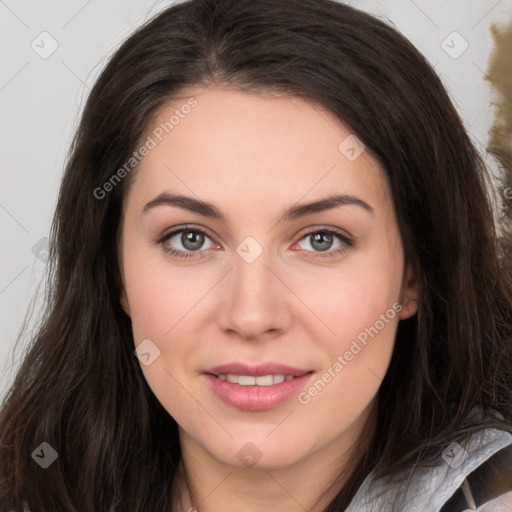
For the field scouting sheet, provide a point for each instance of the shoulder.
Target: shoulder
(488, 487)
(483, 462)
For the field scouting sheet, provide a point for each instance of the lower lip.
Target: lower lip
(256, 398)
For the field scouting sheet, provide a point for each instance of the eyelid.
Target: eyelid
(317, 228)
(173, 231)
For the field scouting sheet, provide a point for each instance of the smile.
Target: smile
(250, 380)
(256, 392)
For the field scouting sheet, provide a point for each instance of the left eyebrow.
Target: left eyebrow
(295, 212)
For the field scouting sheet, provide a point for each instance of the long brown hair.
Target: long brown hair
(80, 387)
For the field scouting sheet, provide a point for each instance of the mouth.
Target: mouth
(256, 388)
(256, 370)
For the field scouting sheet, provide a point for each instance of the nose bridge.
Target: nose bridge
(254, 295)
(252, 277)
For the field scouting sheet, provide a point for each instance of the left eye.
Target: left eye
(193, 239)
(323, 240)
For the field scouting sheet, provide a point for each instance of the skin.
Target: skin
(253, 156)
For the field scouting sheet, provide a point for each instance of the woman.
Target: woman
(275, 282)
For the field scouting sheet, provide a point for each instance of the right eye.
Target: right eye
(191, 240)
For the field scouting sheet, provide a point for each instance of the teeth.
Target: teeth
(249, 380)
(264, 380)
(246, 380)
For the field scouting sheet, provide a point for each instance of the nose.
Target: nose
(255, 300)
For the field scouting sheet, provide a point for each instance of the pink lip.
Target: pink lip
(256, 398)
(257, 370)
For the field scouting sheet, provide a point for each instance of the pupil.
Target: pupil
(319, 237)
(192, 240)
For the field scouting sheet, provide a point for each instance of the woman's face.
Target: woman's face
(265, 281)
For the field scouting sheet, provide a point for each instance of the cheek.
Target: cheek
(161, 310)
(159, 294)
(354, 297)
(356, 361)
(362, 319)
(359, 312)
(155, 307)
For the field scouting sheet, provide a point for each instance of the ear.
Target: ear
(123, 299)
(410, 295)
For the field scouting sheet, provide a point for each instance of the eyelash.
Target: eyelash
(347, 242)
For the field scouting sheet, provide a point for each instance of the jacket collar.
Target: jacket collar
(428, 488)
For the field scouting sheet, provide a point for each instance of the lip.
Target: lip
(258, 370)
(256, 398)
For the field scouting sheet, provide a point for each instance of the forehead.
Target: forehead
(259, 147)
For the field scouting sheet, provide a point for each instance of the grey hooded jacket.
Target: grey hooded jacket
(429, 489)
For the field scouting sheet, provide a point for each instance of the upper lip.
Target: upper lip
(257, 370)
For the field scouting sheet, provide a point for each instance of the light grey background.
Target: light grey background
(41, 99)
